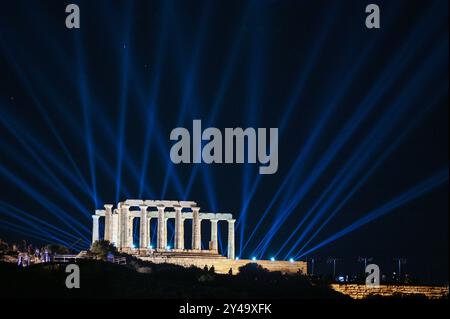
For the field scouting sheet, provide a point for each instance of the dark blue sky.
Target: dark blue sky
(362, 114)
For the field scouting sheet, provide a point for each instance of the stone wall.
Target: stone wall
(222, 265)
(363, 291)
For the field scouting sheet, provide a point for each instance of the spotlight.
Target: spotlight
(133, 246)
(291, 260)
(237, 258)
(254, 258)
(168, 247)
(150, 246)
(272, 258)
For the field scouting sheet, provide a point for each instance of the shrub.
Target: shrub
(101, 248)
(58, 249)
(252, 270)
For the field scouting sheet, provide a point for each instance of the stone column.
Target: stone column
(108, 222)
(115, 228)
(143, 229)
(213, 243)
(179, 229)
(196, 231)
(123, 222)
(161, 228)
(95, 232)
(231, 238)
(166, 219)
(149, 233)
(130, 231)
(119, 225)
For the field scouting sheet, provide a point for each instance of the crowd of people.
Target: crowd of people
(24, 258)
(26, 253)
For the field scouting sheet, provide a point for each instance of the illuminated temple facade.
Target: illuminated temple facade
(119, 223)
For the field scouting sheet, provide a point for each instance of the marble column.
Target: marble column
(166, 220)
(115, 228)
(161, 229)
(130, 231)
(179, 229)
(213, 243)
(118, 210)
(196, 231)
(123, 222)
(231, 238)
(108, 223)
(95, 228)
(149, 232)
(143, 228)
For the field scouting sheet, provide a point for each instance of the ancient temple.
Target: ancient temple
(119, 224)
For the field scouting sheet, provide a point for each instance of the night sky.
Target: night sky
(362, 116)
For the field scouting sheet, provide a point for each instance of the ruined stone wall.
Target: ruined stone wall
(363, 291)
(223, 265)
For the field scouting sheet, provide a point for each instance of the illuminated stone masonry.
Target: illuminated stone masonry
(362, 291)
(119, 231)
(119, 226)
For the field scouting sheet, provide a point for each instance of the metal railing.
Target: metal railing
(120, 260)
(64, 258)
(74, 258)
